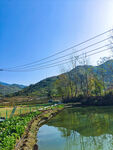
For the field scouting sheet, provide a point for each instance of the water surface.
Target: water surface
(88, 128)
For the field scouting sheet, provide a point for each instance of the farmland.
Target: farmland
(21, 109)
(13, 128)
(6, 112)
(8, 104)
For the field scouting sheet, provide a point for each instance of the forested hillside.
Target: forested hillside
(6, 88)
(82, 80)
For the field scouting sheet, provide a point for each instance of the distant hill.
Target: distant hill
(47, 85)
(3, 83)
(6, 88)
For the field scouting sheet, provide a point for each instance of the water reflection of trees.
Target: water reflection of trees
(86, 129)
(85, 122)
(78, 142)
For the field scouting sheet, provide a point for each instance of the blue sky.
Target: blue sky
(33, 29)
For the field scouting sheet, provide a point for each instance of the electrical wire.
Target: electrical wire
(52, 60)
(56, 64)
(94, 37)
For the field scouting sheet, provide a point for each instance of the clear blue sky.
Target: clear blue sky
(34, 29)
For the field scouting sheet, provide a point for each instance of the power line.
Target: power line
(69, 58)
(63, 50)
(52, 60)
(57, 64)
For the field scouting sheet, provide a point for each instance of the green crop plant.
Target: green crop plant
(13, 128)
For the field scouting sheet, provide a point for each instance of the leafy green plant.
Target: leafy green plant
(12, 129)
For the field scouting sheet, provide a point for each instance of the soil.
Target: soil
(29, 139)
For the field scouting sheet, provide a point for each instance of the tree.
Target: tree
(84, 81)
(102, 71)
(75, 75)
(95, 85)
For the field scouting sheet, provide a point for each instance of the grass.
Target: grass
(6, 111)
(24, 105)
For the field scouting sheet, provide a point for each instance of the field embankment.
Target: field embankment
(28, 141)
(21, 130)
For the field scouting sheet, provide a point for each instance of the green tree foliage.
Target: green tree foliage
(95, 86)
(83, 80)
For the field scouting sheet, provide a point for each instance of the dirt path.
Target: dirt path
(29, 140)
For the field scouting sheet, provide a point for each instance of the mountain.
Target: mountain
(39, 89)
(46, 86)
(3, 83)
(6, 88)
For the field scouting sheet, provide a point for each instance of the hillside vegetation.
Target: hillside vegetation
(6, 88)
(82, 80)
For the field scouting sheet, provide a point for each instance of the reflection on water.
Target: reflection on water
(78, 129)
